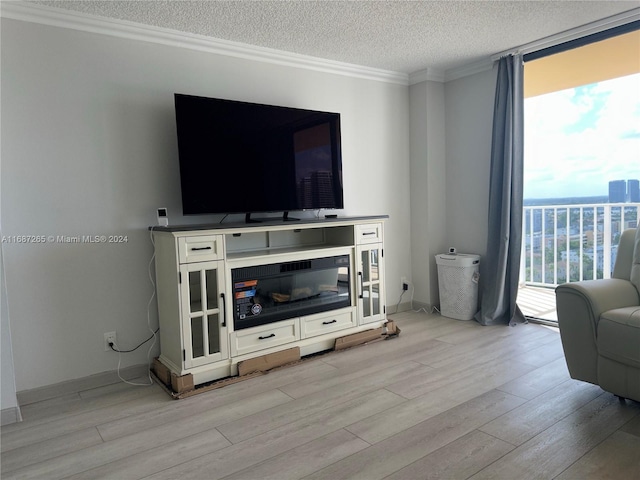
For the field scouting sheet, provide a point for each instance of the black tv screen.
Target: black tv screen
(239, 157)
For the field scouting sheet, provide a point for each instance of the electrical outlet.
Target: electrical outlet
(109, 337)
(403, 280)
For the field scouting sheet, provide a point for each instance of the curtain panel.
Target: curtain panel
(501, 264)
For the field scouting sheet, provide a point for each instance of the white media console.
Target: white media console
(228, 293)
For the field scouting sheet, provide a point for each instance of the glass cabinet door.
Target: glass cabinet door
(204, 321)
(371, 306)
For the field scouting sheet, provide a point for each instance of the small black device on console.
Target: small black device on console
(163, 218)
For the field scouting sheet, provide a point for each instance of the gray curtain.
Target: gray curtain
(501, 264)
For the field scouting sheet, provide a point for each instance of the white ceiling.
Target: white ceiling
(395, 35)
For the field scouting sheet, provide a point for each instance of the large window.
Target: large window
(582, 161)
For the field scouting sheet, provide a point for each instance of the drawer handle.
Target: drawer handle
(193, 249)
(224, 310)
(368, 233)
(329, 323)
(268, 336)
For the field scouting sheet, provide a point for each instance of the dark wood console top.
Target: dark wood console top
(265, 222)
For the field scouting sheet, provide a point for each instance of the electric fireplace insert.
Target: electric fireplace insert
(264, 294)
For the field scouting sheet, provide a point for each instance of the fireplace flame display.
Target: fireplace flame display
(268, 293)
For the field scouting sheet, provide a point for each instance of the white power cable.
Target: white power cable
(153, 295)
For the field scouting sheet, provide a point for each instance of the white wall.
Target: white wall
(469, 107)
(9, 410)
(428, 178)
(88, 148)
(450, 143)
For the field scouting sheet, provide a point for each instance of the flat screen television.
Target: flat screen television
(239, 157)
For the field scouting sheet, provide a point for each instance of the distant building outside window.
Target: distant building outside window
(633, 191)
(617, 191)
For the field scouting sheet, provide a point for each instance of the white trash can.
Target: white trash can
(458, 275)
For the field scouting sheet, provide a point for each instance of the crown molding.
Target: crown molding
(468, 69)
(56, 17)
(134, 31)
(430, 74)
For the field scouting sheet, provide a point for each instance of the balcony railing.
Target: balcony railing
(568, 243)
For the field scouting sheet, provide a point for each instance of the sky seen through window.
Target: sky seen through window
(578, 140)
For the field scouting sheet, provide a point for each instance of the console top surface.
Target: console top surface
(267, 222)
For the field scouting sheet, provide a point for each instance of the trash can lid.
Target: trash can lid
(457, 259)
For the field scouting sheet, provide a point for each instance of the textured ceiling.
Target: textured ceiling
(402, 36)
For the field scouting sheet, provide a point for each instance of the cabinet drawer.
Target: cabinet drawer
(200, 248)
(265, 336)
(370, 233)
(322, 323)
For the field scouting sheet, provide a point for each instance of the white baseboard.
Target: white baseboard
(421, 306)
(27, 397)
(10, 415)
(403, 307)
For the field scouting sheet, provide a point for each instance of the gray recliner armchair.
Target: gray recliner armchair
(600, 324)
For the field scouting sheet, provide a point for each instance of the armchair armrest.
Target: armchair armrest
(601, 295)
(579, 307)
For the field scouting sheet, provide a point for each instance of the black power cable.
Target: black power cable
(134, 349)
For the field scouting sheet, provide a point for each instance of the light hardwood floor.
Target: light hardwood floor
(447, 400)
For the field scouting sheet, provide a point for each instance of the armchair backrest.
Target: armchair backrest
(635, 264)
(624, 258)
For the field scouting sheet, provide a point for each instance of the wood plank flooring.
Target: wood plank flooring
(447, 400)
